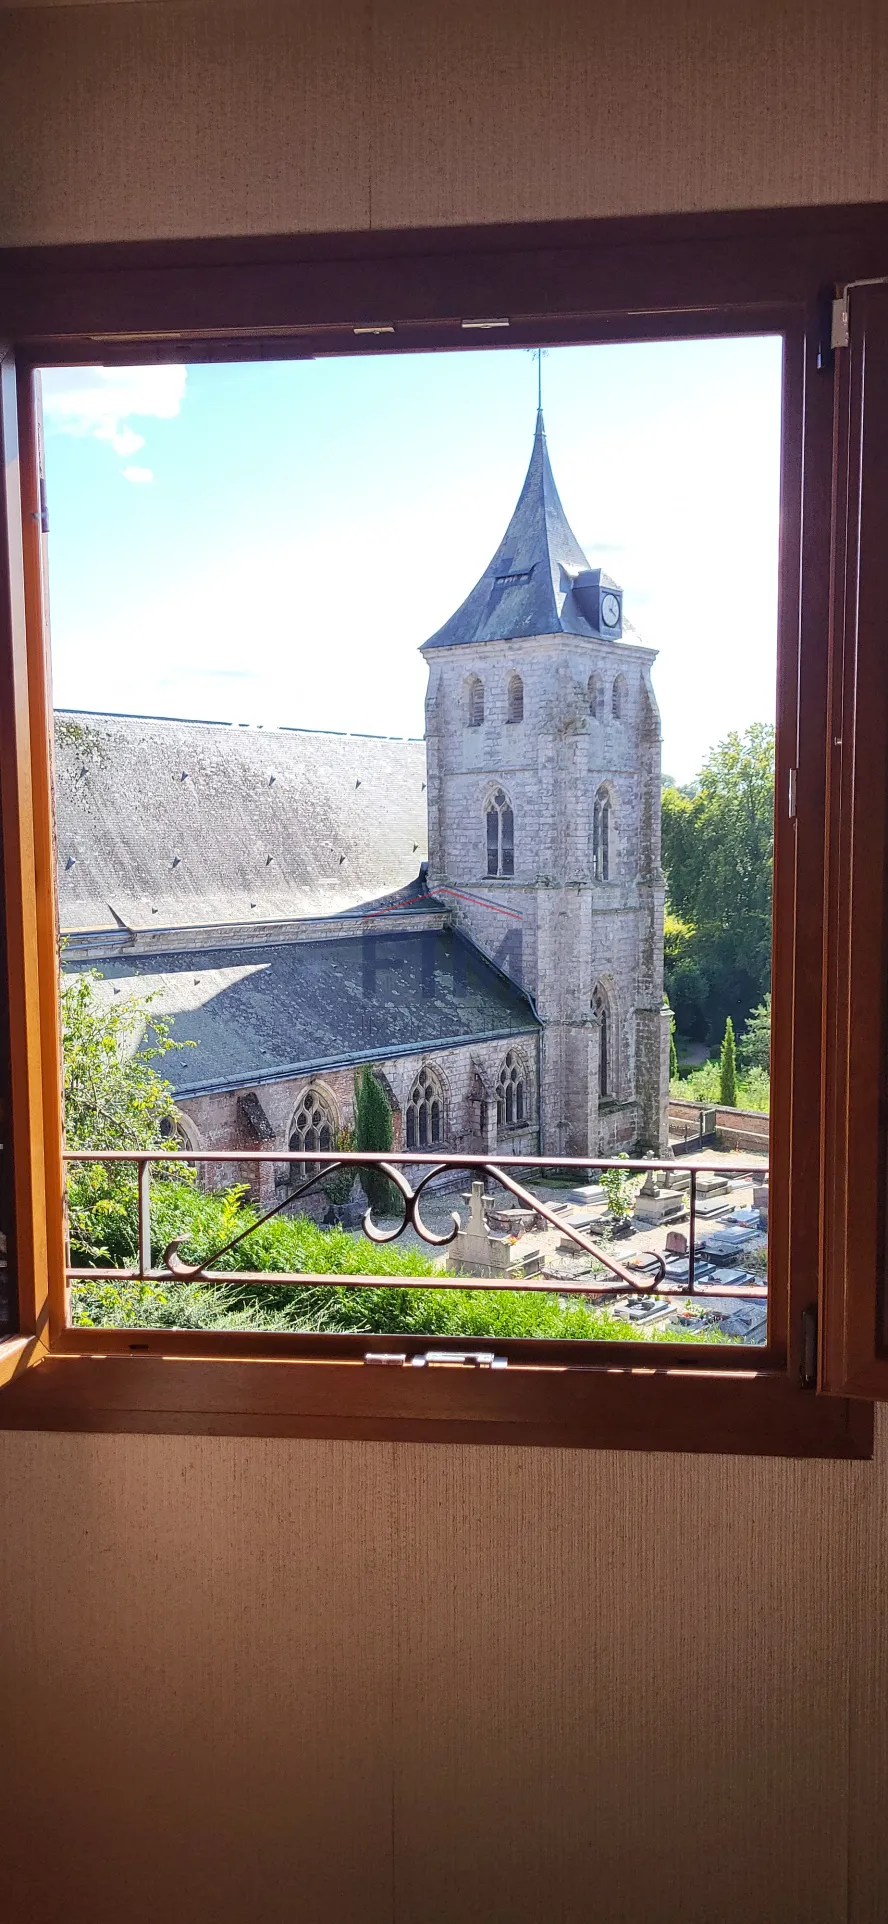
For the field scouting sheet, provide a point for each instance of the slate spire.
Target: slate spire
(539, 578)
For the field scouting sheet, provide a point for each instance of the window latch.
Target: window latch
(482, 1359)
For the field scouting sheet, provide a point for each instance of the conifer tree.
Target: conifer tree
(727, 1074)
(673, 1056)
(373, 1130)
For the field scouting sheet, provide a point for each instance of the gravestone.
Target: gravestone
(482, 1251)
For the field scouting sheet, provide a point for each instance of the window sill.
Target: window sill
(596, 1405)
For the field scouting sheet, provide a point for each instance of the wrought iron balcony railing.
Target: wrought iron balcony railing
(622, 1277)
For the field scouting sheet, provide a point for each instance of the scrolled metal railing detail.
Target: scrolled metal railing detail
(620, 1279)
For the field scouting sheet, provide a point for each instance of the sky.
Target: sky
(272, 542)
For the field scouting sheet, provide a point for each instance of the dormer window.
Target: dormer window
(515, 580)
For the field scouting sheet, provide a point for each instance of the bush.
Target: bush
(621, 1190)
(295, 1243)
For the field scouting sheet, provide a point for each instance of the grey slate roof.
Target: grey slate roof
(261, 1012)
(540, 547)
(164, 824)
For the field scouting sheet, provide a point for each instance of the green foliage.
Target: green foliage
(621, 1189)
(293, 1243)
(338, 1187)
(373, 1130)
(755, 1043)
(718, 856)
(704, 1085)
(673, 1054)
(114, 1099)
(727, 1069)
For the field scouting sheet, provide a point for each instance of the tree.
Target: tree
(727, 1069)
(373, 1130)
(718, 853)
(755, 1042)
(114, 1098)
(673, 1054)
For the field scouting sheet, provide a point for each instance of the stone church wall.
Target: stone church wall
(215, 1122)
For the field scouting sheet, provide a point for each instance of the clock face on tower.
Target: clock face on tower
(610, 611)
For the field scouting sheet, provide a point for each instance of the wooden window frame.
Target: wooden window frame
(626, 280)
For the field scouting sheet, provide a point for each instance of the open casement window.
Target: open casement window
(739, 275)
(854, 1298)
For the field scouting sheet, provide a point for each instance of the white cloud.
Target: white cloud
(100, 401)
(123, 440)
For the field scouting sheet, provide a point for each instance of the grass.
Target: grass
(293, 1243)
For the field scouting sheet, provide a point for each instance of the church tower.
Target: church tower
(543, 743)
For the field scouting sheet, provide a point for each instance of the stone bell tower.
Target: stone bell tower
(543, 742)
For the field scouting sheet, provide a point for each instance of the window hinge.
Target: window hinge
(482, 1359)
(791, 793)
(840, 330)
(808, 1367)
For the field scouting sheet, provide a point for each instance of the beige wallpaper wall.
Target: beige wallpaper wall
(269, 116)
(245, 1682)
(379, 1684)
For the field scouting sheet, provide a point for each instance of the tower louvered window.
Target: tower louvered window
(474, 701)
(516, 699)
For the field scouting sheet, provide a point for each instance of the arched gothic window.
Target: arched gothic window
(176, 1133)
(511, 1093)
(313, 1127)
(424, 1121)
(595, 694)
(474, 701)
(599, 1009)
(619, 698)
(603, 849)
(516, 699)
(500, 826)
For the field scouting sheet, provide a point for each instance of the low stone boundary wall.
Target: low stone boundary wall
(732, 1128)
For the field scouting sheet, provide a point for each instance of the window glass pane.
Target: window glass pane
(310, 904)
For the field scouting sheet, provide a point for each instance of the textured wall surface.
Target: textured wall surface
(254, 1681)
(246, 1682)
(182, 117)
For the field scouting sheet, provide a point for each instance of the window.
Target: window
(595, 697)
(599, 1010)
(500, 824)
(474, 695)
(424, 1121)
(619, 698)
(511, 1093)
(313, 1126)
(602, 832)
(516, 699)
(747, 281)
